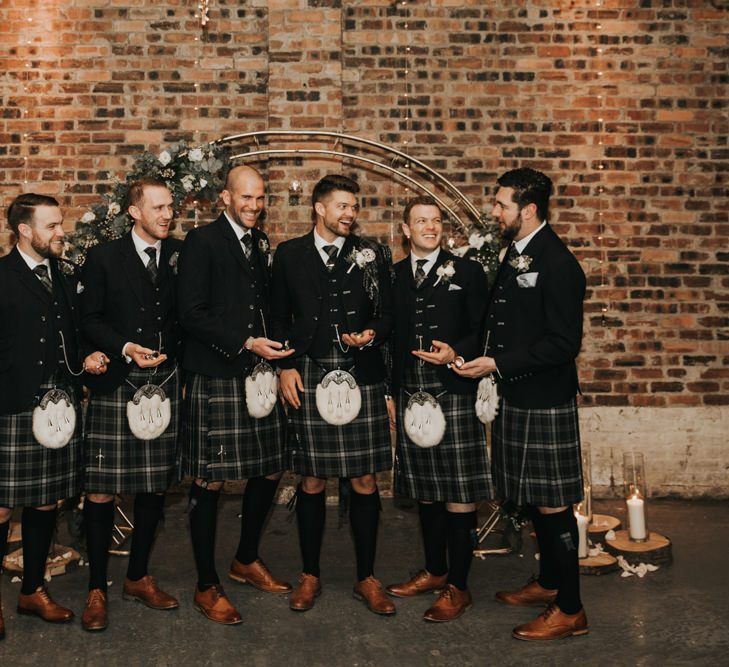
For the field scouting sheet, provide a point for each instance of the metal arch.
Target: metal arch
(449, 186)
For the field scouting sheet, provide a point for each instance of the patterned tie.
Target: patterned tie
(152, 263)
(331, 250)
(513, 253)
(42, 272)
(420, 272)
(247, 242)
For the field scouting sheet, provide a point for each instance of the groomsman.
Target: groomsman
(128, 311)
(332, 301)
(223, 304)
(535, 325)
(440, 302)
(39, 351)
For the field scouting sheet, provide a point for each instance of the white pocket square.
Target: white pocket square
(79, 288)
(453, 287)
(527, 279)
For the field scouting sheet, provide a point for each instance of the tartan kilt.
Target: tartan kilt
(457, 469)
(30, 474)
(220, 440)
(320, 449)
(536, 455)
(115, 460)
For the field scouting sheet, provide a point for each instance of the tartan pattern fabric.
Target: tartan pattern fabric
(536, 455)
(319, 449)
(30, 474)
(220, 440)
(457, 469)
(115, 461)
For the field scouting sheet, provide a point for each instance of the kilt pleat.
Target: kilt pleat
(536, 455)
(115, 460)
(220, 440)
(320, 449)
(457, 469)
(30, 474)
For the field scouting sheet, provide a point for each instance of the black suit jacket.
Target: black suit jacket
(297, 300)
(454, 316)
(536, 332)
(24, 305)
(114, 310)
(217, 297)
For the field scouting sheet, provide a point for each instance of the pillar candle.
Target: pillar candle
(636, 518)
(582, 523)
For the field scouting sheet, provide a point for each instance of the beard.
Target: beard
(50, 249)
(511, 230)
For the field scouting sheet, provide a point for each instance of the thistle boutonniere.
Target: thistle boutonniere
(445, 272)
(360, 258)
(173, 261)
(265, 249)
(521, 263)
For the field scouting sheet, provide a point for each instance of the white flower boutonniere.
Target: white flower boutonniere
(173, 261)
(360, 258)
(265, 249)
(521, 263)
(445, 272)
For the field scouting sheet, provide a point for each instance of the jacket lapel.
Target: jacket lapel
(429, 284)
(28, 278)
(233, 243)
(131, 263)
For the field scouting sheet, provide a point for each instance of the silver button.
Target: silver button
(40, 363)
(139, 329)
(42, 340)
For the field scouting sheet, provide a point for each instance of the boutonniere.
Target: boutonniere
(445, 272)
(265, 249)
(173, 261)
(360, 258)
(521, 263)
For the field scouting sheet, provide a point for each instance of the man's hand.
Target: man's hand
(95, 363)
(290, 384)
(476, 368)
(143, 356)
(359, 339)
(390, 402)
(441, 354)
(269, 349)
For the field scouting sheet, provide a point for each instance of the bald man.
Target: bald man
(223, 285)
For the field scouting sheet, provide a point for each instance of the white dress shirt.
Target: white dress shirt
(520, 245)
(319, 242)
(431, 259)
(33, 263)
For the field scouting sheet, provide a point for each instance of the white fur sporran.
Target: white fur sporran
(54, 419)
(149, 412)
(261, 389)
(424, 420)
(338, 398)
(487, 400)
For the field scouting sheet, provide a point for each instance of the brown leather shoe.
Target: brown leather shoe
(531, 595)
(94, 617)
(40, 604)
(422, 582)
(449, 606)
(305, 594)
(371, 592)
(147, 592)
(257, 575)
(214, 604)
(553, 624)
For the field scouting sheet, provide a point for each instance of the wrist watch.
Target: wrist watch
(249, 343)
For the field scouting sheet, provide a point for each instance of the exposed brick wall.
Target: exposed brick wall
(491, 85)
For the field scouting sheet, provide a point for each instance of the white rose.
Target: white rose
(203, 182)
(114, 208)
(195, 155)
(488, 238)
(88, 217)
(164, 158)
(449, 270)
(188, 182)
(368, 255)
(475, 240)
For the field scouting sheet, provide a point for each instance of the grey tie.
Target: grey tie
(152, 263)
(331, 250)
(513, 252)
(420, 272)
(247, 242)
(42, 272)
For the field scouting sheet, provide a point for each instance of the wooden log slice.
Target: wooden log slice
(59, 559)
(600, 525)
(656, 550)
(603, 563)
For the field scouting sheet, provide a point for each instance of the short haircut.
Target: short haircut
(422, 200)
(530, 187)
(331, 183)
(22, 209)
(136, 189)
(233, 171)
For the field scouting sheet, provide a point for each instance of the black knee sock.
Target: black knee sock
(364, 517)
(203, 522)
(461, 527)
(434, 525)
(37, 529)
(548, 563)
(257, 500)
(99, 524)
(311, 514)
(4, 529)
(562, 528)
(148, 508)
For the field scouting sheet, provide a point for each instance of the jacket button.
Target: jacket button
(250, 326)
(250, 306)
(141, 309)
(40, 363)
(43, 318)
(139, 330)
(42, 340)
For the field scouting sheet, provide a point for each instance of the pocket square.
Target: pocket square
(79, 288)
(527, 279)
(453, 287)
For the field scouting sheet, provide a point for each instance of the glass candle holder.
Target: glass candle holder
(636, 492)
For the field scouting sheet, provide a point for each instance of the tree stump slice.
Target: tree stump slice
(601, 524)
(58, 560)
(656, 550)
(603, 563)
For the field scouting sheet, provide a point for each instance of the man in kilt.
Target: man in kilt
(332, 301)
(39, 351)
(128, 311)
(440, 302)
(223, 304)
(534, 325)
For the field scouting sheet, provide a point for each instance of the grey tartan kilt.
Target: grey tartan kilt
(457, 469)
(30, 474)
(536, 455)
(220, 440)
(115, 461)
(319, 449)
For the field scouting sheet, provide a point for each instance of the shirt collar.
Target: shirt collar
(238, 230)
(319, 242)
(33, 263)
(520, 245)
(140, 244)
(430, 260)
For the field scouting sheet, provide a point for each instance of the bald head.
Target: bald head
(241, 171)
(244, 196)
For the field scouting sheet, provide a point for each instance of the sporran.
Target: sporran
(424, 420)
(54, 419)
(261, 390)
(487, 399)
(338, 398)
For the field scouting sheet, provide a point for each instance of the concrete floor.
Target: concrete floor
(677, 615)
